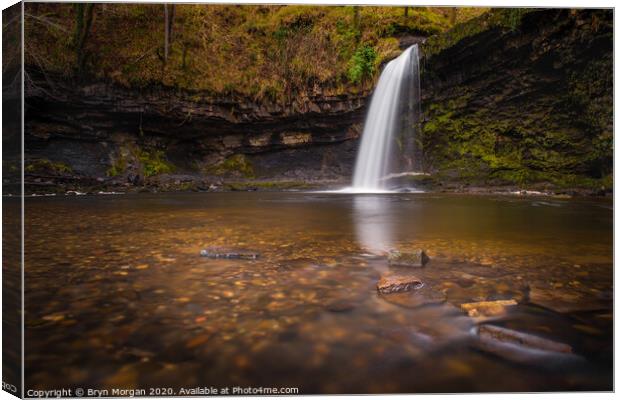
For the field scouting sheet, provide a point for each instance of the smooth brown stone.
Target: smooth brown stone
(394, 284)
(418, 298)
(487, 308)
(491, 334)
(416, 258)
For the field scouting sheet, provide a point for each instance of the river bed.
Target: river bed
(117, 295)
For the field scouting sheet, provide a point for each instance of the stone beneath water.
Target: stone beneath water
(416, 258)
(518, 346)
(484, 309)
(423, 296)
(566, 299)
(229, 254)
(395, 284)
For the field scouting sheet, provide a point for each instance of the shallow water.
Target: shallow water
(117, 295)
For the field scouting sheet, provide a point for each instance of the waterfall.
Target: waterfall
(390, 125)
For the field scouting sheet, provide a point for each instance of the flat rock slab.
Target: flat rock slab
(230, 254)
(566, 300)
(496, 334)
(485, 309)
(416, 258)
(396, 284)
(523, 348)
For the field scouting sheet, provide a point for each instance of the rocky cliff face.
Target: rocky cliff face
(102, 135)
(527, 104)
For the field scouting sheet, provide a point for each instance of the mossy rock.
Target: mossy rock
(43, 165)
(154, 162)
(150, 162)
(236, 165)
(118, 167)
(268, 186)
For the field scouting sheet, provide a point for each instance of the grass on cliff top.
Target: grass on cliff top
(265, 52)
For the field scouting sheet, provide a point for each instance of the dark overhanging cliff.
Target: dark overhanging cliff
(104, 132)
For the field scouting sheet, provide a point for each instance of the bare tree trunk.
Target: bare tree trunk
(166, 32)
(83, 21)
(406, 11)
(168, 18)
(452, 15)
(356, 23)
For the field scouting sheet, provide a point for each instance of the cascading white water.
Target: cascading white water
(397, 94)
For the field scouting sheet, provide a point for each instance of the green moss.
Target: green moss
(43, 165)
(237, 164)
(362, 64)
(118, 167)
(186, 187)
(10, 166)
(268, 185)
(153, 162)
(505, 145)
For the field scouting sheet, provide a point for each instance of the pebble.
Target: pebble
(229, 254)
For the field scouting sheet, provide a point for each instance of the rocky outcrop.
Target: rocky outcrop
(105, 132)
(526, 100)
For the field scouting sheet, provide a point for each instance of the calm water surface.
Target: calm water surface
(117, 295)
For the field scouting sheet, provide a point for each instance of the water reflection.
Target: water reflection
(374, 224)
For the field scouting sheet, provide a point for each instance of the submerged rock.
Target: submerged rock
(525, 348)
(566, 299)
(422, 296)
(416, 258)
(495, 338)
(229, 254)
(395, 284)
(487, 308)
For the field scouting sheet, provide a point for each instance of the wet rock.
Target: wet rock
(416, 258)
(420, 297)
(495, 337)
(565, 300)
(484, 309)
(229, 254)
(395, 284)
